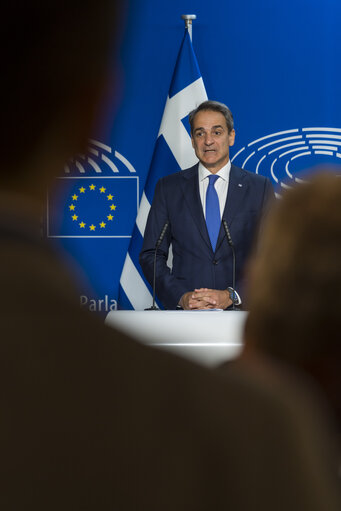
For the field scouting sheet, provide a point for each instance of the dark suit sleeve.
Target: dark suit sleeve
(168, 289)
(266, 198)
(267, 203)
(269, 196)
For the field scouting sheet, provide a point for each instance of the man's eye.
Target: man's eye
(218, 132)
(199, 134)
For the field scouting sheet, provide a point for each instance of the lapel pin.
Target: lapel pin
(239, 184)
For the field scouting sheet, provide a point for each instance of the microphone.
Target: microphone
(162, 235)
(157, 244)
(230, 242)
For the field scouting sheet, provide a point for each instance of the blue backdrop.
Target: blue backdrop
(275, 64)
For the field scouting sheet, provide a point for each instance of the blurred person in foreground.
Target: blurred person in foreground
(89, 418)
(295, 286)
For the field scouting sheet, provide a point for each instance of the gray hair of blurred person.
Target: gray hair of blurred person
(214, 106)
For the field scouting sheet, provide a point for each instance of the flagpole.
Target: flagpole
(188, 22)
(173, 152)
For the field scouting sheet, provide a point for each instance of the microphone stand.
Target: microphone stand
(230, 242)
(158, 243)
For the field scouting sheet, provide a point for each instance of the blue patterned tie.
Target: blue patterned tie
(213, 220)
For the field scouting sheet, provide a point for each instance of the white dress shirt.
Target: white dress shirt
(221, 185)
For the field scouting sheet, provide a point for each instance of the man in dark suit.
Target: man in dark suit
(201, 276)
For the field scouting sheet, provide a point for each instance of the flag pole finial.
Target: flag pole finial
(188, 22)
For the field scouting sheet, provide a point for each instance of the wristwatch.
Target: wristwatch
(234, 296)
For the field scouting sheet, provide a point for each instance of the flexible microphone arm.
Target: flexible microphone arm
(230, 242)
(157, 244)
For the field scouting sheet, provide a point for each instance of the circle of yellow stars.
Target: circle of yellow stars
(81, 223)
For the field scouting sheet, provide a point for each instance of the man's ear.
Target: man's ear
(232, 136)
(192, 141)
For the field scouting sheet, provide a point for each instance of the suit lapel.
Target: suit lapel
(235, 197)
(190, 189)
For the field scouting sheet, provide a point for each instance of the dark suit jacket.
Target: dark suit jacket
(195, 265)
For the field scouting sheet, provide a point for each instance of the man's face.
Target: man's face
(211, 140)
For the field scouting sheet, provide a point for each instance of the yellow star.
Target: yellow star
(92, 187)
(82, 225)
(110, 197)
(112, 207)
(110, 217)
(102, 225)
(92, 227)
(74, 197)
(102, 189)
(72, 207)
(82, 190)
(74, 217)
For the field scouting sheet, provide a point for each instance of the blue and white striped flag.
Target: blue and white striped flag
(173, 152)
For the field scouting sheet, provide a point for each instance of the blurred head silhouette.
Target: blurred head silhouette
(54, 62)
(295, 288)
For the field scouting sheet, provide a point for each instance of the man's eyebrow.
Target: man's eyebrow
(201, 128)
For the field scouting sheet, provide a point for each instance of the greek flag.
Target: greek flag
(173, 152)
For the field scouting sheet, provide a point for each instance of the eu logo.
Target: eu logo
(86, 206)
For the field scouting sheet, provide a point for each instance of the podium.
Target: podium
(206, 337)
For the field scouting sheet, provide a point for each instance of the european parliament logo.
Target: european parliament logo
(93, 199)
(286, 157)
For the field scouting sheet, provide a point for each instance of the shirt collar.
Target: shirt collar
(224, 172)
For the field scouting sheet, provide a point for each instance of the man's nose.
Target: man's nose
(208, 139)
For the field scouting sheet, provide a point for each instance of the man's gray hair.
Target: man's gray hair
(214, 106)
